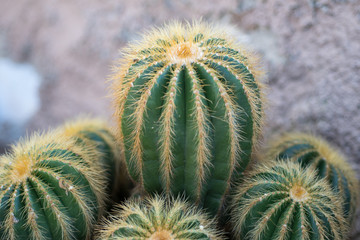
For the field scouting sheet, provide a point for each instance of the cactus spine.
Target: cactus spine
(96, 132)
(313, 151)
(50, 188)
(189, 109)
(285, 201)
(158, 218)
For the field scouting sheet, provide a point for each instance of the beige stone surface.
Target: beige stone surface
(311, 51)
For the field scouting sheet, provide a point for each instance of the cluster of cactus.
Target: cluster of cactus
(52, 185)
(189, 108)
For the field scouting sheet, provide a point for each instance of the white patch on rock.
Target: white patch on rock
(19, 96)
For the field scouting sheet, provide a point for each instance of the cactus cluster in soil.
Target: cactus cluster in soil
(189, 112)
(189, 109)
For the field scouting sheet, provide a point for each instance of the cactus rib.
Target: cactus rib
(96, 132)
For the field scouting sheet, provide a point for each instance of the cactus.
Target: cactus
(158, 218)
(282, 201)
(189, 109)
(50, 188)
(95, 131)
(313, 151)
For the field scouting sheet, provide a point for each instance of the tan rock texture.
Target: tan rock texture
(311, 51)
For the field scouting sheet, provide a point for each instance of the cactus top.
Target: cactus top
(23, 158)
(281, 200)
(158, 218)
(188, 99)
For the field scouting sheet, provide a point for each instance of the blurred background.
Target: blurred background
(55, 57)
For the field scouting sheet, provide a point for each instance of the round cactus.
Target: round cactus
(189, 109)
(315, 152)
(50, 188)
(158, 218)
(96, 132)
(284, 201)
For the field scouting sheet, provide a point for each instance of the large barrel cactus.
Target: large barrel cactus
(283, 201)
(189, 109)
(50, 188)
(315, 152)
(158, 218)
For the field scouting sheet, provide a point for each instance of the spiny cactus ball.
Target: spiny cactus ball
(158, 218)
(189, 108)
(283, 201)
(50, 188)
(315, 152)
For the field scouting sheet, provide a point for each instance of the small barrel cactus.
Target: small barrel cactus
(50, 188)
(94, 131)
(284, 201)
(315, 152)
(158, 218)
(189, 109)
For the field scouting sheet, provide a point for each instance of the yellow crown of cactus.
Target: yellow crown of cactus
(158, 218)
(50, 188)
(282, 200)
(315, 152)
(189, 109)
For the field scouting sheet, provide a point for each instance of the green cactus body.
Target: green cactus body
(315, 152)
(50, 189)
(96, 132)
(283, 201)
(189, 110)
(158, 219)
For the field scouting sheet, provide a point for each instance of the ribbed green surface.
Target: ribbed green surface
(211, 108)
(104, 142)
(305, 150)
(283, 201)
(98, 134)
(56, 199)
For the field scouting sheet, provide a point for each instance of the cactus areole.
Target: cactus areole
(189, 110)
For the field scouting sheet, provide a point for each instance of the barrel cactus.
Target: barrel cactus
(96, 132)
(330, 164)
(282, 200)
(189, 109)
(50, 188)
(158, 218)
